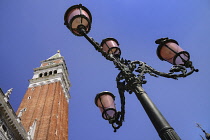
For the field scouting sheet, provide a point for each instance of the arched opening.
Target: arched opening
(4, 128)
(45, 74)
(50, 73)
(55, 71)
(40, 75)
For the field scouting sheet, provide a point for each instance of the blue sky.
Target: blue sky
(32, 31)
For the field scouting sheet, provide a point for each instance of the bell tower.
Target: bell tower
(44, 107)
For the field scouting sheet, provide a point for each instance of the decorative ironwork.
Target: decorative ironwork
(132, 75)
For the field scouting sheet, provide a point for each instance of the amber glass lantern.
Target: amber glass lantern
(105, 102)
(169, 50)
(78, 17)
(111, 46)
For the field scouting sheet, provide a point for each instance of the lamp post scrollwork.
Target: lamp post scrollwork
(131, 77)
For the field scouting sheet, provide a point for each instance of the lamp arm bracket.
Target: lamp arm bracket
(175, 72)
(96, 45)
(93, 42)
(128, 68)
(119, 118)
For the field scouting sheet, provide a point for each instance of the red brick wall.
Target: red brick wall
(49, 106)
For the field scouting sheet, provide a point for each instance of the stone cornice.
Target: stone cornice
(63, 64)
(11, 119)
(51, 79)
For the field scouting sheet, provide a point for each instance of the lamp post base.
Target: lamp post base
(169, 134)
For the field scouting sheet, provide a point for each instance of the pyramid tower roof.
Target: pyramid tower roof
(57, 55)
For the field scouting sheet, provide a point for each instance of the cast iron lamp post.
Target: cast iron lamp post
(78, 20)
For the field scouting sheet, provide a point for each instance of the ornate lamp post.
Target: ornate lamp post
(78, 20)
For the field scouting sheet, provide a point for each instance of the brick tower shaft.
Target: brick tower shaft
(44, 108)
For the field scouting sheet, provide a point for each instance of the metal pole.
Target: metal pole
(165, 131)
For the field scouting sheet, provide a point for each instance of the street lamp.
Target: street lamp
(78, 20)
(169, 50)
(105, 102)
(76, 17)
